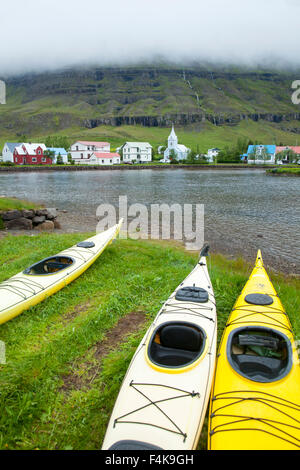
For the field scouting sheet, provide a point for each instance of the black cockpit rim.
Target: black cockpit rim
(268, 368)
(175, 357)
(36, 269)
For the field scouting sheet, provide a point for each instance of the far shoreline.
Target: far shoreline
(24, 169)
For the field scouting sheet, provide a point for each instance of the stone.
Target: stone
(56, 224)
(41, 212)
(38, 219)
(51, 213)
(46, 226)
(28, 214)
(19, 224)
(11, 215)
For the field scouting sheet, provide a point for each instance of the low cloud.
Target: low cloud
(39, 35)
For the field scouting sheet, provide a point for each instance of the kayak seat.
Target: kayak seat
(179, 345)
(252, 366)
(49, 265)
(55, 266)
(259, 353)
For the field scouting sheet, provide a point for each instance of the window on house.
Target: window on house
(110, 161)
(77, 147)
(102, 161)
(33, 159)
(81, 155)
(43, 159)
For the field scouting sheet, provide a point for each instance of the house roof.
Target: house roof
(29, 148)
(58, 150)
(269, 148)
(89, 142)
(295, 148)
(12, 145)
(139, 144)
(182, 147)
(105, 155)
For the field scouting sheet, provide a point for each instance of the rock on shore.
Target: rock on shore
(39, 219)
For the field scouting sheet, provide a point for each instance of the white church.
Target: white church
(181, 151)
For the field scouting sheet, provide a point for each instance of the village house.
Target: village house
(8, 151)
(260, 154)
(180, 151)
(59, 153)
(104, 158)
(212, 154)
(140, 152)
(82, 150)
(284, 151)
(31, 154)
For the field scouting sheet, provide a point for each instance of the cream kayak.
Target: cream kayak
(255, 395)
(49, 275)
(165, 392)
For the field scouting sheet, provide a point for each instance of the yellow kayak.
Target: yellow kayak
(164, 396)
(255, 399)
(49, 275)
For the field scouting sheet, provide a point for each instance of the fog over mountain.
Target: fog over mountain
(39, 35)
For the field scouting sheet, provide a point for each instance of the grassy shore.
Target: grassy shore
(284, 171)
(67, 356)
(11, 203)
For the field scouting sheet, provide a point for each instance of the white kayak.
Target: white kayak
(49, 275)
(164, 395)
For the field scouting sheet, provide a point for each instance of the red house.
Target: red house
(31, 154)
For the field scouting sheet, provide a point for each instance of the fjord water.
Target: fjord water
(244, 209)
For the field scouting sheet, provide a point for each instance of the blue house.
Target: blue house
(260, 154)
(59, 151)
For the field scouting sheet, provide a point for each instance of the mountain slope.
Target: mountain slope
(193, 97)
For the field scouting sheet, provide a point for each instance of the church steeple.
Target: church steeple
(172, 139)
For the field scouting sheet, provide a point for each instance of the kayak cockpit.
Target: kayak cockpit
(259, 354)
(176, 344)
(50, 265)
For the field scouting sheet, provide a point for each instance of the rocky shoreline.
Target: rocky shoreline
(30, 219)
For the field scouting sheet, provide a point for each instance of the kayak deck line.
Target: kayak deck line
(267, 399)
(187, 310)
(155, 403)
(30, 284)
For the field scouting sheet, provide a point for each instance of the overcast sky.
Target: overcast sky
(37, 35)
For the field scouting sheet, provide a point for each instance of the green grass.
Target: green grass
(201, 136)
(57, 338)
(284, 171)
(10, 203)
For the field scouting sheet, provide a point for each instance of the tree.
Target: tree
(70, 159)
(192, 157)
(49, 154)
(59, 160)
(57, 141)
(288, 155)
(265, 156)
(173, 156)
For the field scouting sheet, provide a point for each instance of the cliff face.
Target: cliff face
(148, 96)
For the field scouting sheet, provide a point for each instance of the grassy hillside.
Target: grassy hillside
(66, 357)
(196, 136)
(208, 107)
